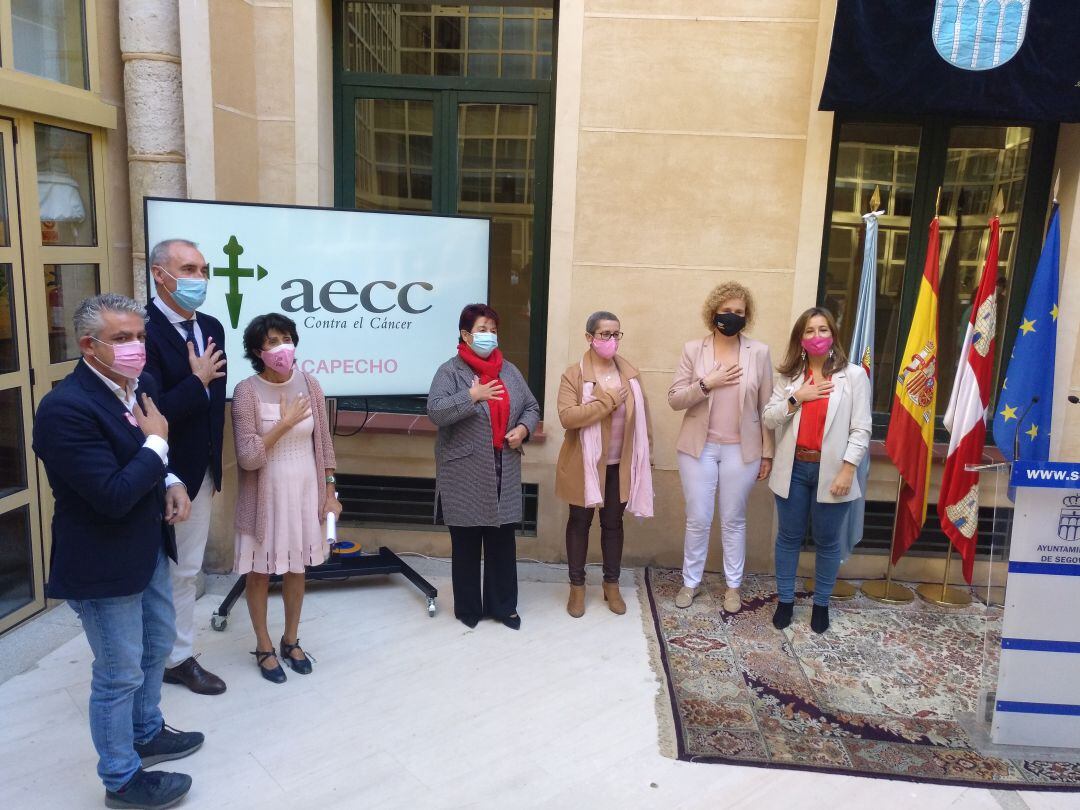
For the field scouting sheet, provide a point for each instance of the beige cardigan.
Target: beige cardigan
(755, 386)
(570, 469)
(252, 500)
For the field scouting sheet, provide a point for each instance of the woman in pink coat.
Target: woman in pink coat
(723, 382)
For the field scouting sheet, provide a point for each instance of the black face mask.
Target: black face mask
(729, 323)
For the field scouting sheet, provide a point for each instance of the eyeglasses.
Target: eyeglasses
(609, 335)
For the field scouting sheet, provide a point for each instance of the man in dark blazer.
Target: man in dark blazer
(184, 354)
(105, 448)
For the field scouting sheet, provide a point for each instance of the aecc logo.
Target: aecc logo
(333, 296)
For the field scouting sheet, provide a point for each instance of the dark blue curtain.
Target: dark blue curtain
(884, 62)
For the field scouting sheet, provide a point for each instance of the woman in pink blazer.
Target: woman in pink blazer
(723, 382)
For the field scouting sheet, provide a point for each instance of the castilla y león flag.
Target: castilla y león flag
(910, 440)
(958, 503)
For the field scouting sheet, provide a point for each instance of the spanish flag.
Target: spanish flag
(910, 441)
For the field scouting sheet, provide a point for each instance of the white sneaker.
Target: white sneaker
(732, 600)
(685, 597)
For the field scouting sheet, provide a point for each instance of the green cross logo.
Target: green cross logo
(234, 272)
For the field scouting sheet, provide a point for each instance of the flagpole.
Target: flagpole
(843, 589)
(885, 590)
(948, 596)
(943, 595)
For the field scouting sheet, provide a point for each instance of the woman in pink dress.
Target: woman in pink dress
(285, 460)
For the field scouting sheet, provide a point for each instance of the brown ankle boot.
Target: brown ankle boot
(575, 606)
(614, 598)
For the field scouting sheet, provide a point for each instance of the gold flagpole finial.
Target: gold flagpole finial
(937, 205)
(999, 203)
(875, 199)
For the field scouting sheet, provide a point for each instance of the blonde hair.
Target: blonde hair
(726, 292)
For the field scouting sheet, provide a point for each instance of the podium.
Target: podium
(1038, 693)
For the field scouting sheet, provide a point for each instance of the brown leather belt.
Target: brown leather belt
(802, 454)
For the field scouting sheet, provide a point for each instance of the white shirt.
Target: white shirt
(177, 320)
(127, 396)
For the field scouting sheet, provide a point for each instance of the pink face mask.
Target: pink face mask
(129, 358)
(280, 358)
(605, 348)
(818, 345)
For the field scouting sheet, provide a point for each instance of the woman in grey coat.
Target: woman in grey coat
(485, 412)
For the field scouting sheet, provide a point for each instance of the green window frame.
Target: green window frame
(930, 174)
(446, 93)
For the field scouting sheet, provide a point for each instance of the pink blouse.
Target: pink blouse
(724, 413)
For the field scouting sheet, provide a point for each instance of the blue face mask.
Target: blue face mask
(190, 292)
(484, 343)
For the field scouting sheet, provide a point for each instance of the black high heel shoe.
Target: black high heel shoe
(275, 675)
(301, 665)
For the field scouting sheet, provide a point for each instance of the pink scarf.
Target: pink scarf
(641, 488)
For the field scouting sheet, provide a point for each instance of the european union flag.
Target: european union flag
(1026, 402)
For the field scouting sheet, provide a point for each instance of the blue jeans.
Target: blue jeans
(130, 637)
(800, 507)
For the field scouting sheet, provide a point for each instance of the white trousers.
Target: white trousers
(191, 538)
(721, 471)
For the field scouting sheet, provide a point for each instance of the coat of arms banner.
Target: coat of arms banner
(996, 59)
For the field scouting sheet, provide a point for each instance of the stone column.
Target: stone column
(154, 105)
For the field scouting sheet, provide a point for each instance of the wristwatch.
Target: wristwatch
(330, 479)
(704, 388)
(794, 402)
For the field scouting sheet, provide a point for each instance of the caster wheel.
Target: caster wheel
(219, 623)
(431, 609)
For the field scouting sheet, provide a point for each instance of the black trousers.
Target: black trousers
(611, 532)
(498, 596)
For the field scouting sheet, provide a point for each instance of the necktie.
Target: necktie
(189, 334)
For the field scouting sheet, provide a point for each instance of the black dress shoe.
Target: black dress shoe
(169, 744)
(275, 674)
(150, 790)
(191, 674)
(301, 665)
(469, 621)
(819, 618)
(513, 621)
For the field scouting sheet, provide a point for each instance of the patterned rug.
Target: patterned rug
(880, 694)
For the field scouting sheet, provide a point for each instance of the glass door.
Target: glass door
(463, 152)
(392, 137)
(496, 176)
(21, 566)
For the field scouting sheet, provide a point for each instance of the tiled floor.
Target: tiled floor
(404, 711)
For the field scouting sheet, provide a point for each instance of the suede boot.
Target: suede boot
(575, 605)
(614, 598)
(782, 617)
(819, 618)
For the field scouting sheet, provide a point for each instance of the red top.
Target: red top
(812, 421)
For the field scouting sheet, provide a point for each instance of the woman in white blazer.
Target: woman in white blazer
(820, 410)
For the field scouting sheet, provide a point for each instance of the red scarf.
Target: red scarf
(488, 370)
